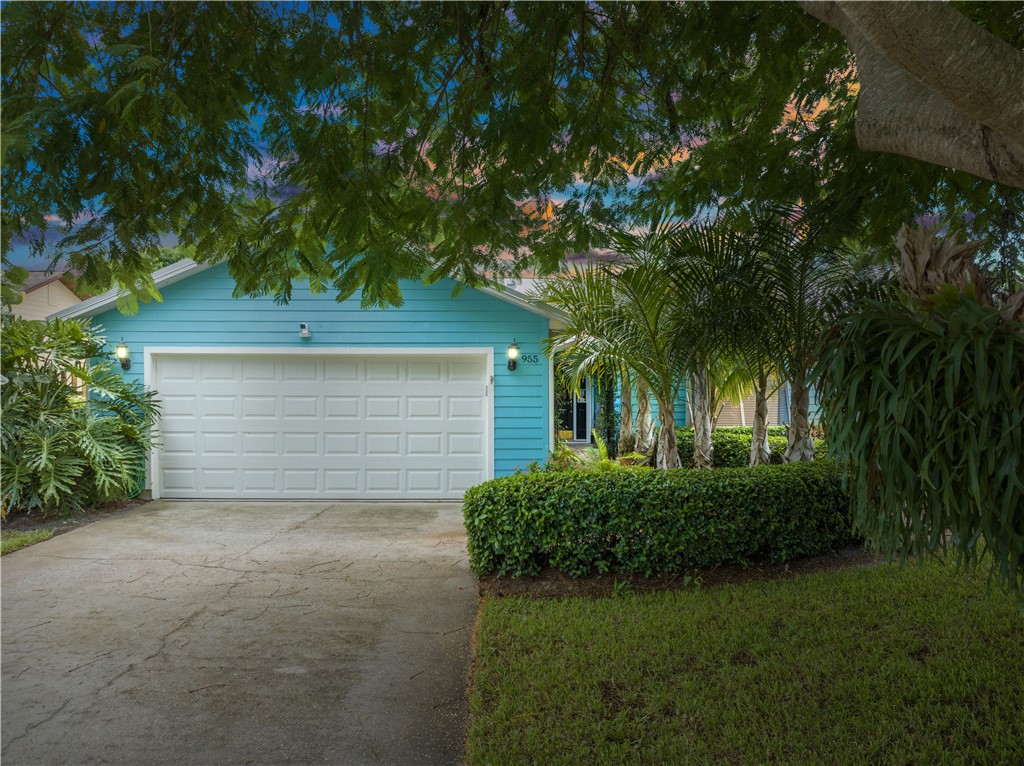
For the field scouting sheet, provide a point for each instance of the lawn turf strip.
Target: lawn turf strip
(857, 666)
(13, 541)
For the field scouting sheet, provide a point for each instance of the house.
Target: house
(321, 399)
(43, 294)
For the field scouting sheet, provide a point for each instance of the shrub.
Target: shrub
(732, 445)
(650, 522)
(597, 458)
(63, 452)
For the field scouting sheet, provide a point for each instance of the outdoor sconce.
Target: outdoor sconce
(123, 356)
(513, 354)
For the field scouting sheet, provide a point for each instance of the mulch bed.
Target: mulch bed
(551, 583)
(60, 525)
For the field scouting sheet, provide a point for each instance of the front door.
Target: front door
(575, 418)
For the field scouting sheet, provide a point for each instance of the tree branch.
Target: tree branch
(922, 93)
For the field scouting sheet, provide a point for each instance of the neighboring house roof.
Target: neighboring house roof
(186, 268)
(44, 293)
(37, 279)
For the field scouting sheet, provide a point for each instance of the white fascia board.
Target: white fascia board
(516, 298)
(164, 277)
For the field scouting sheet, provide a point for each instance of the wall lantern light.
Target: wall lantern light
(513, 354)
(123, 356)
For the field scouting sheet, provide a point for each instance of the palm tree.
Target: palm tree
(810, 277)
(626, 318)
(720, 290)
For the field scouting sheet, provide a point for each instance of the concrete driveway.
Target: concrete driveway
(241, 633)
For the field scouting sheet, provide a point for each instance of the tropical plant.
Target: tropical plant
(925, 403)
(597, 458)
(74, 432)
(720, 288)
(626, 317)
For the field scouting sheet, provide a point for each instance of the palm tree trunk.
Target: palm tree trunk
(644, 426)
(760, 452)
(713, 404)
(702, 447)
(668, 454)
(627, 431)
(800, 445)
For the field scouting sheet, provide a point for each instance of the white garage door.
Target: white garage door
(340, 427)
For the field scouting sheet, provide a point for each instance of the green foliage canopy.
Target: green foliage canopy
(357, 144)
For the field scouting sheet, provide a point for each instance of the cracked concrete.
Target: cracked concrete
(241, 633)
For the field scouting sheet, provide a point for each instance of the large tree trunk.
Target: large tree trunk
(703, 450)
(668, 453)
(627, 432)
(644, 426)
(934, 86)
(760, 451)
(800, 445)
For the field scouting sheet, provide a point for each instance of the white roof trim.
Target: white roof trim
(164, 277)
(187, 267)
(513, 296)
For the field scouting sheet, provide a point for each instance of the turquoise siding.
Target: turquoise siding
(200, 311)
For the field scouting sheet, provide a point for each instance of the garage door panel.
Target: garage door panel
(384, 480)
(425, 444)
(384, 407)
(378, 444)
(425, 407)
(425, 370)
(218, 478)
(342, 407)
(260, 406)
(218, 406)
(300, 479)
(342, 445)
(293, 407)
(257, 480)
(215, 443)
(265, 427)
(383, 370)
(259, 370)
(465, 444)
(460, 481)
(255, 443)
(425, 480)
(341, 370)
(223, 370)
(344, 480)
(465, 407)
(303, 370)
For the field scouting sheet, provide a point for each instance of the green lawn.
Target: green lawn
(12, 541)
(859, 666)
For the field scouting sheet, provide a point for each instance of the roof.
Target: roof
(186, 268)
(37, 279)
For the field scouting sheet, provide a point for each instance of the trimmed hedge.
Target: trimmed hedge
(732, 445)
(653, 522)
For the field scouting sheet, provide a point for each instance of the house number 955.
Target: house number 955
(529, 358)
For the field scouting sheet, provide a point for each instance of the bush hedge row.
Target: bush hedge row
(653, 522)
(732, 445)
